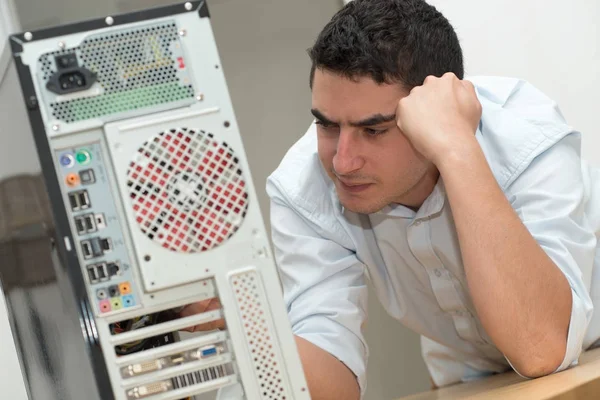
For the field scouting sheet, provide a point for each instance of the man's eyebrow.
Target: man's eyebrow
(319, 115)
(370, 121)
(374, 120)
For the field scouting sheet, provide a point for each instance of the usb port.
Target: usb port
(84, 199)
(74, 201)
(102, 271)
(92, 273)
(90, 223)
(106, 245)
(79, 200)
(80, 225)
(86, 248)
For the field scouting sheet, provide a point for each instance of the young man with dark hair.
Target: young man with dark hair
(464, 202)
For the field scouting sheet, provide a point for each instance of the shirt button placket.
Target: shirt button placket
(419, 241)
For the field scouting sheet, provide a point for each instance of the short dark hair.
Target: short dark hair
(390, 41)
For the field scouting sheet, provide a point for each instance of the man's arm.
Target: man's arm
(527, 288)
(326, 296)
(522, 298)
(327, 377)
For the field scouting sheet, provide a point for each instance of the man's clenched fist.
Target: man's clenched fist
(440, 117)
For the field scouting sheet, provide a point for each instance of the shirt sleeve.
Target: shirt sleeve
(323, 285)
(550, 198)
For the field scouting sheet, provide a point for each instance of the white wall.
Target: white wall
(554, 44)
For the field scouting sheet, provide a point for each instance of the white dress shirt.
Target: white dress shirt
(325, 253)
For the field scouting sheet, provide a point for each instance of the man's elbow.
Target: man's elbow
(543, 361)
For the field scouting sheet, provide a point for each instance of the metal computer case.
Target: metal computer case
(154, 207)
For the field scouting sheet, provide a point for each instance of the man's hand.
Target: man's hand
(440, 117)
(201, 307)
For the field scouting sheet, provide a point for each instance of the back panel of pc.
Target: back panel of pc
(155, 208)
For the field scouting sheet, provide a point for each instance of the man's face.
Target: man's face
(370, 161)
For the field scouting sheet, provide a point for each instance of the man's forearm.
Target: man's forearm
(521, 296)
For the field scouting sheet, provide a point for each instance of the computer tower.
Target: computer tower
(145, 204)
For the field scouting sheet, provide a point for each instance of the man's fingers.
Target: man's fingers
(201, 307)
(208, 326)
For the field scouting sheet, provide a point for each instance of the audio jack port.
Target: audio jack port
(72, 180)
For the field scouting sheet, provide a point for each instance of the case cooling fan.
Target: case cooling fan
(187, 189)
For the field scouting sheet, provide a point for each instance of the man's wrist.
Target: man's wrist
(464, 154)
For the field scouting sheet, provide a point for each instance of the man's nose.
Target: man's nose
(347, 158)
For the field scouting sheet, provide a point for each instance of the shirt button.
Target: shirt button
(438, 273)
(417, 223)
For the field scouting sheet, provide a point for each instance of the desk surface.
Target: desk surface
(580, 382)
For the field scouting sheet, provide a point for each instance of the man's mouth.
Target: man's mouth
(353, 187)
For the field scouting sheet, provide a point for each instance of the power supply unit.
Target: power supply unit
(145, 207)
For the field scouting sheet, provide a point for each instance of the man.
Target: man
(465, 202)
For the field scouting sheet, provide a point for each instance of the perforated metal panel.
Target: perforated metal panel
(188, 190)
(260, 336)
(136, 69)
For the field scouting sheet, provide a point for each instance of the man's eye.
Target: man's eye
(374, 132)
(325, 125)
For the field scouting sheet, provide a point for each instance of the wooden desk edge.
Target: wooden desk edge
(577, 382)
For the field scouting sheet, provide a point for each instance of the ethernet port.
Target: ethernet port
(113, 269)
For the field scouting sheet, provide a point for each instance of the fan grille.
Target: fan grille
(188, 191)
